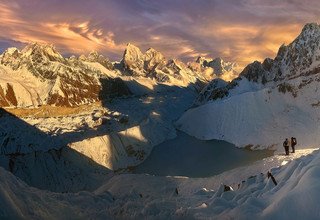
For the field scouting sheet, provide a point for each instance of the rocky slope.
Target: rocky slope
(268, 102)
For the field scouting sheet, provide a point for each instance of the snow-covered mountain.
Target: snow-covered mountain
(39, 75)
(215, 68)
(153, 64)
(269, 101)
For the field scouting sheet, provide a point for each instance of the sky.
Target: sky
(236, 30)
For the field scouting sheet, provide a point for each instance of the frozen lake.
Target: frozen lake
(188, 156)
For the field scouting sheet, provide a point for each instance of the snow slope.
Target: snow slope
(144, 196)
(262, 118)
(20, 201)
(89, 144)
(267, 103)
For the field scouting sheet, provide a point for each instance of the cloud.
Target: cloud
(237, 30)
(74, 36)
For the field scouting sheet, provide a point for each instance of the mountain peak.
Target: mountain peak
(132, 47)
(93, 56)
(151, 49)
(11, 50)
(310, 26)
(203, 60)
(153, 54)
(36, 49)
(309, 31)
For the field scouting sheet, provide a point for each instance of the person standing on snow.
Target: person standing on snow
(293, 143)
(286, 146)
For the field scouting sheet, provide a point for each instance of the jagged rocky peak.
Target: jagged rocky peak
(213, 90)
(133, 59)
(37, 51)
(134, 62)
(72, 58)
(152, 53)
(220, 66)
(12, 51)
(94, 56)
(203, 60)
(254, 72)
(301, 57)
(213, 68)
(176, 64)
(152, 59)
(310, 29)
(11, 56)
(35, 57)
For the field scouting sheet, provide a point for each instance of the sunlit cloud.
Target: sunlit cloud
(236, 30)
(70, 38)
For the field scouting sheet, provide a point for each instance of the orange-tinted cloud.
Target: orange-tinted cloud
(69, 37)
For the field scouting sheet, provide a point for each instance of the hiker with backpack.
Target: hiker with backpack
(293, 144)
(286, 146)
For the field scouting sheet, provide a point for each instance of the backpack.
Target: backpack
(294, 141)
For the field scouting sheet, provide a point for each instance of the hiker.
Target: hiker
(286, 146)
(293, 143)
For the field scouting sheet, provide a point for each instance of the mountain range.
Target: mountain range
(40, 75)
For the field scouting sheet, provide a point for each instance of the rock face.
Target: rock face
(212, 91)
(268, 102)
(7, 96)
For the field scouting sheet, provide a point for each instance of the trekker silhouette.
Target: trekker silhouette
(293, 144)
(286, 146)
